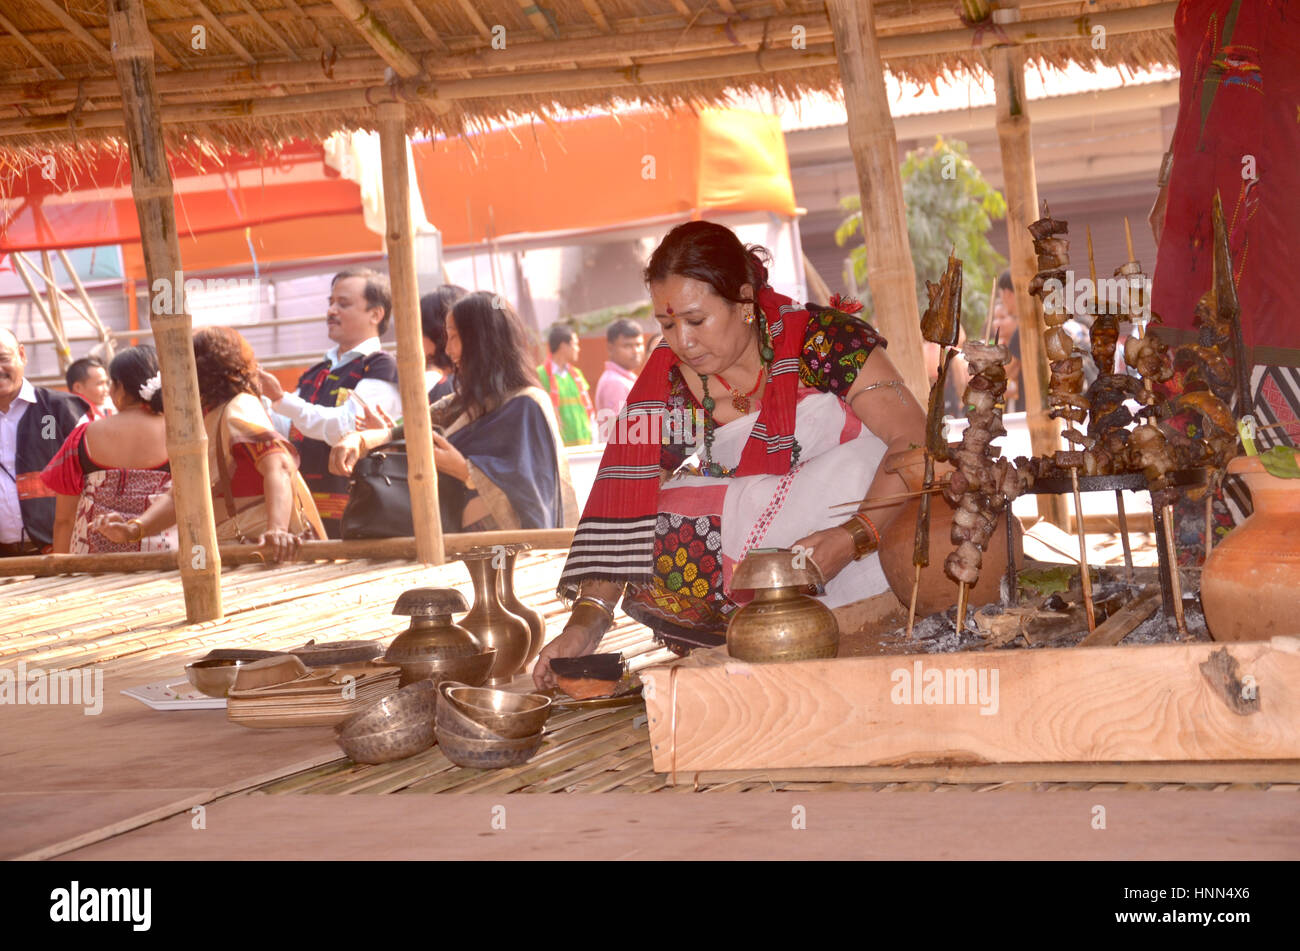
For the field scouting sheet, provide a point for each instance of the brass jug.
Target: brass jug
(781, 623)
(491, 622)
(536, 623)
(432, 634)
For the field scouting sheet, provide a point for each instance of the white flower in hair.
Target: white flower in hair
(150, 387)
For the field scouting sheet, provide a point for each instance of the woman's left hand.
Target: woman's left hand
(831, 549)
(280, 545)
(447, 458)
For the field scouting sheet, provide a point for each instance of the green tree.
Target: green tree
(950, 207)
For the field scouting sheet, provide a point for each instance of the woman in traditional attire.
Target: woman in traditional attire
(258, 495)
(438, 367)
(495, 443)
(114, 464)
(785, 410)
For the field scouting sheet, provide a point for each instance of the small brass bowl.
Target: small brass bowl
(413, 704)
(472, 670)
(384, 746)
(216, 675)
(487, 754)
(451, 719)
(508, 715)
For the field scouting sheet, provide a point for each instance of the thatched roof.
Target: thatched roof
(250, 73)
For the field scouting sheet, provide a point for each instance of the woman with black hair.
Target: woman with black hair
(259, 497)
(495, 443)
(438, 367)
(114, 463)
(749, 420)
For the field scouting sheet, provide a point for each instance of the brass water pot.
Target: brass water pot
(432, 634)
(490, 621)
(782, 623)
(536, 623)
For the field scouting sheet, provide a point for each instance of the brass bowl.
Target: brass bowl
(487, 754)
(781, 623)
(411, 705)
(214, 676)
(778, 568)
(472, 669)
(450, 719)
(269, 672)
(509, 715)
(384, 746)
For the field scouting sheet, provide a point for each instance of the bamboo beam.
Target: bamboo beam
(92, 315)
(151, 186)
(1020, 184)
(60, 344)
(28, 45)
(535, 16)
(875, 154)
(223, 31)
(373, 31)
(164, 52)
(597, 15)
(423, 24)
(56, 316)
(395, 549)
(399, 238)
(475, 19)
(269, 30)
(76, 29)
(47, 275)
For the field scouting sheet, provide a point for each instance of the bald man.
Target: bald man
(34, 422)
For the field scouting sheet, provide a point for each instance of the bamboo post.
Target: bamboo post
(400, 240)
(60, 345)
(1019, 182)
(56, 316)
(91, 314)
(151, 186)
(884, 219)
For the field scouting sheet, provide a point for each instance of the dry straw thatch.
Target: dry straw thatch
(269, 70)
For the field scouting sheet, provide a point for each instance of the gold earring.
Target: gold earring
(748, 315)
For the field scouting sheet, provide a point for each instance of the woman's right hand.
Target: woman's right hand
(575, 641)
(114, 527)
(345, 455)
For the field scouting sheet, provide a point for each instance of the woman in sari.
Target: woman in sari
(114, 464)
(785, 410)
(495, 443)
(258, 496)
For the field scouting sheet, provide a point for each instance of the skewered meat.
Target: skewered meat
(941, 322)
(983, 483)
(1058, 343)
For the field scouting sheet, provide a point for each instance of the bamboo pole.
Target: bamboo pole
(91, 315)
(1085, 573)
(373, 31)
(56, 316)
(396, 549)
(60, 344)
(400, 239)
(151, 186)
(1021, 187)
(884, 219)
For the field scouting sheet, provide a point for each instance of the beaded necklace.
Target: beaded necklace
(708, 466)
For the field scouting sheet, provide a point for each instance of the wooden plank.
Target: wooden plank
(1120, 624)
(1001, 774)
(1125, 704)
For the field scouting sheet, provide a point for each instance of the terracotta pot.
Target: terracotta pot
(1250, 586)
(938, 592)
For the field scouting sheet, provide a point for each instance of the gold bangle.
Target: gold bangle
(599, 603)
(863, 541)
(139, 529)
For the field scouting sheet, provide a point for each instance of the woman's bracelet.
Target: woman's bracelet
(139, 528)
(600, 603)
(871, 386)
(866, 537)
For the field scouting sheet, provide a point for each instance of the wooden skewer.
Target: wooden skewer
(1085, 575)
(1092, 266)
(963, 596)
(1175, 581)
(1209, 523)
(887, 499)
(1128, 238)
(911, 608)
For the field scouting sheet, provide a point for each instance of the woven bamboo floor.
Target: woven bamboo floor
(133, 628)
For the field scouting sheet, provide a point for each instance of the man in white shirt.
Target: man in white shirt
(34, 422)
(355, 376)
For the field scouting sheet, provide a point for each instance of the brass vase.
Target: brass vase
(432, 634)
(782, 623)
(536, 623)
(490, 620)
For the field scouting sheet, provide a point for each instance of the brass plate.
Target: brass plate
(562, 700)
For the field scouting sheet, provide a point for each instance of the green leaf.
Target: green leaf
(1280, 461)
(1041, 582)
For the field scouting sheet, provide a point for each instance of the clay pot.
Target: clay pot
(781, 623)
(536, 623)
(938, 592)
(491, 623)
(1250, 585)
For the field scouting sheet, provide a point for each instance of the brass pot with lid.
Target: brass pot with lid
(432, 634)
(782, 623)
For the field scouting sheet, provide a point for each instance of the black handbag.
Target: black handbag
(379, 502)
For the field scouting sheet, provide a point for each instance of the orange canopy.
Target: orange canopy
(602, 171)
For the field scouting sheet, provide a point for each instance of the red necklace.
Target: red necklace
(741, 401)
